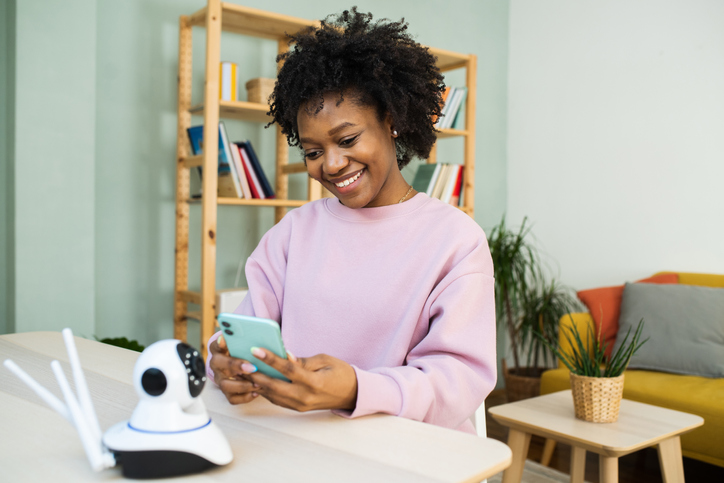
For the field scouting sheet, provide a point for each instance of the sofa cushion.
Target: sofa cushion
(604, 304)
(684, 324)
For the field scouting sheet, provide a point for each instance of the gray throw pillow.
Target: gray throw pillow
(685, 324)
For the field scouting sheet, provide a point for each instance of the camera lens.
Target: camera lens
(228, 332)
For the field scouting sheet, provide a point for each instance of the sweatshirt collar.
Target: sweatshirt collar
(377, 213)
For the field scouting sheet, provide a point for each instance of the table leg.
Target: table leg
(607, 469)
(671, 461)
(550, 445)
(518, 442)
(578, 464)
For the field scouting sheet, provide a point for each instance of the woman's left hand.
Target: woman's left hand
(318, 382)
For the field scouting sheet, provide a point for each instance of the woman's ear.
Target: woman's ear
(389, 124)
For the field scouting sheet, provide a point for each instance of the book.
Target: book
(254, 184)
(225, 187)
(441, 181)
(195, 135)
(433, 180)
(423, 176)
(239, 165)
(452, 179)
(458, 120)
(451, 109)
(229, 158)
(228, 87)
(268, 192)
(456, 198)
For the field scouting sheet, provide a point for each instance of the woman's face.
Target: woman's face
(352, 153)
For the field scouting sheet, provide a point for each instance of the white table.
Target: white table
(270, 444)
(639, 426)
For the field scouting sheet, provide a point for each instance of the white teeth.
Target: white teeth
(349, 181)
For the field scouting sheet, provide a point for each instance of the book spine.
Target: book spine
(239, 165)
(227, 81)
(433, 180)
(268, 192)
(228, 165)
(254, 184)
(455, 200)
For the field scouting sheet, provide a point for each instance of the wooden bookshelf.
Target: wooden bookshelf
(220, 16)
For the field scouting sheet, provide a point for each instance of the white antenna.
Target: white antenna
(92, 445)
(86, 404)
(44, 394)
(81, 415)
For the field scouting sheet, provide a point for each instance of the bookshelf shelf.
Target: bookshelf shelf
(220, 16)
(451, 133)
(244, 111)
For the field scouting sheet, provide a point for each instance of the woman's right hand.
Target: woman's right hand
(230, 374)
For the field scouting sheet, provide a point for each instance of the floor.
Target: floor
(640, 467)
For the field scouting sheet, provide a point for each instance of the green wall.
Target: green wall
(7, 76)
(94, 235)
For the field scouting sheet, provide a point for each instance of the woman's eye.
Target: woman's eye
(312, 155)
(348, 141)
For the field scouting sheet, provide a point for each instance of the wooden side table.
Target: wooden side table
(639, 426)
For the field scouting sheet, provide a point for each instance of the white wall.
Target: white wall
(616, 135)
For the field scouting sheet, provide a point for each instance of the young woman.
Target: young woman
(384, 295)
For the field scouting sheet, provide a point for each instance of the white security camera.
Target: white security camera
(169, 433)
(168, 377)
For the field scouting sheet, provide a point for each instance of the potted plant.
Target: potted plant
(525, 305)
(543, 307)
(596, 380)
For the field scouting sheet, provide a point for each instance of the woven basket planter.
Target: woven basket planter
(597, 399)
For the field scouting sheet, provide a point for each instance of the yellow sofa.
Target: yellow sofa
(691, 394)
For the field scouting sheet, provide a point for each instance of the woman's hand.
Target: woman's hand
(232, 374)
(318, 382)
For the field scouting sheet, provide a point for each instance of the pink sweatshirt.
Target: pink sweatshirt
(404, 293)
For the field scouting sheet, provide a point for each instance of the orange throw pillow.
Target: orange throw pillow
(604, 304)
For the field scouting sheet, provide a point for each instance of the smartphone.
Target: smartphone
(242, 332)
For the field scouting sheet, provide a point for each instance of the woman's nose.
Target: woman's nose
(334, 162)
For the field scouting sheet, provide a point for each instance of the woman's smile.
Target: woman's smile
(349, 181)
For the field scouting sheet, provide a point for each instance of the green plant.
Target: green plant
(123, 343)
(516, 268)
(593, 362)
(543, 306)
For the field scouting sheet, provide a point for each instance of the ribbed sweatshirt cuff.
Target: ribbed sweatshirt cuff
(376, 393)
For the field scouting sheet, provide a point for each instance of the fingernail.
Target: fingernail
(256, 352)
(248, 368)
(291, 357)
(253, 394)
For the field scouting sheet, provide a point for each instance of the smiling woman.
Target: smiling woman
(384, 294)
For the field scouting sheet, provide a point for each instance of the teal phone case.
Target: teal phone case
(242, 332)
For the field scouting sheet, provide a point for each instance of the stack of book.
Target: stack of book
(440, 180)
(453, 98)
(240, 173)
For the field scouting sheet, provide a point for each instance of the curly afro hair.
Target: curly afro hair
(376, 64)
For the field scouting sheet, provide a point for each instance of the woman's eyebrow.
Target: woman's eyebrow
(335, 130)
(332, 131)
